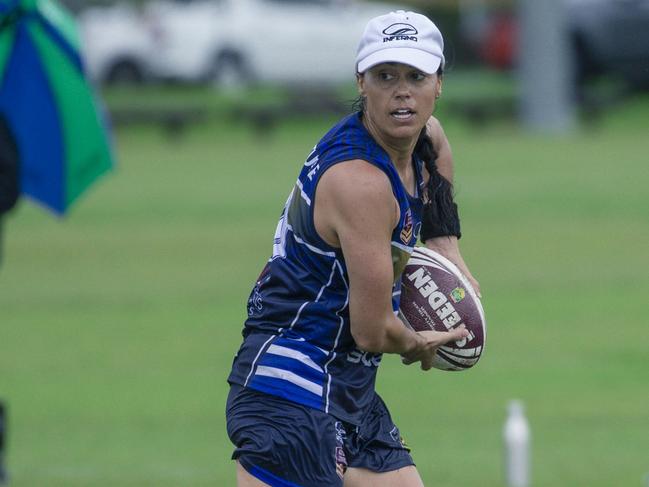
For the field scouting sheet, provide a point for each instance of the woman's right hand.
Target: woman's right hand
(431, 341)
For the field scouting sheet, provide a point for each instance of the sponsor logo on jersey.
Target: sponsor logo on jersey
(396, 436)
(406, 232)
(394, 433)
(400, 32)
(256, 300)
(368, 359)
(340, 467)
(339, 454)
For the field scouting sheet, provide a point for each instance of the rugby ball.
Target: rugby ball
(435, 295)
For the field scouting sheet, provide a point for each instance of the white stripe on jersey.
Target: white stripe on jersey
(290, 377)
(299, 311)
(285, 351)
(305, 197)
(312, 248)
(297, 315)
(340, 329)
(254, 362)
(302, 339)
(299, 356)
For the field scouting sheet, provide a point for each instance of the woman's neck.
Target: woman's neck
(400, 153)
(399, 150)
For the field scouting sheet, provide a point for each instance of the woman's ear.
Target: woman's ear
(438, 87)
(360, 84)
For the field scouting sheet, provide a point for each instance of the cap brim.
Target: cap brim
(422, 60)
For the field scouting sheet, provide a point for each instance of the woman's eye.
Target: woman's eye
(383, 76)
(417, 76)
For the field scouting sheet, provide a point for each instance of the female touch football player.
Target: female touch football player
(302, 409)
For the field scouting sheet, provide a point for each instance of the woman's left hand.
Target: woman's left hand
(448, 246)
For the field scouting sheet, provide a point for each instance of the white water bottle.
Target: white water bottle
(516, 435)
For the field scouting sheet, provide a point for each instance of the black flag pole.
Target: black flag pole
(3, 442)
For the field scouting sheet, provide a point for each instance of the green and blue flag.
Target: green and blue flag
(49, 104)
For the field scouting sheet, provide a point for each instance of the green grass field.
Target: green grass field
(118, 323)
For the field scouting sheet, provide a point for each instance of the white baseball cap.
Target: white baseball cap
(401, 37)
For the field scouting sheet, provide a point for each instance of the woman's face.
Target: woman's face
(399, 99)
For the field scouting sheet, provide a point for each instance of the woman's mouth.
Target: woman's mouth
(403, 114)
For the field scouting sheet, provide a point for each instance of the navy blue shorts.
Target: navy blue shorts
(285, 444)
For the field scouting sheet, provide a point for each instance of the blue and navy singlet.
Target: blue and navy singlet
(297, 339)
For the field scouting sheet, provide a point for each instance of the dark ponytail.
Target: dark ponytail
(439, 217)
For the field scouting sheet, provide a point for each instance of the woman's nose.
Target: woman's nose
(403, 88)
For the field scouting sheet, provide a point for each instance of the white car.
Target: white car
(243, 41)
(116, 44)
